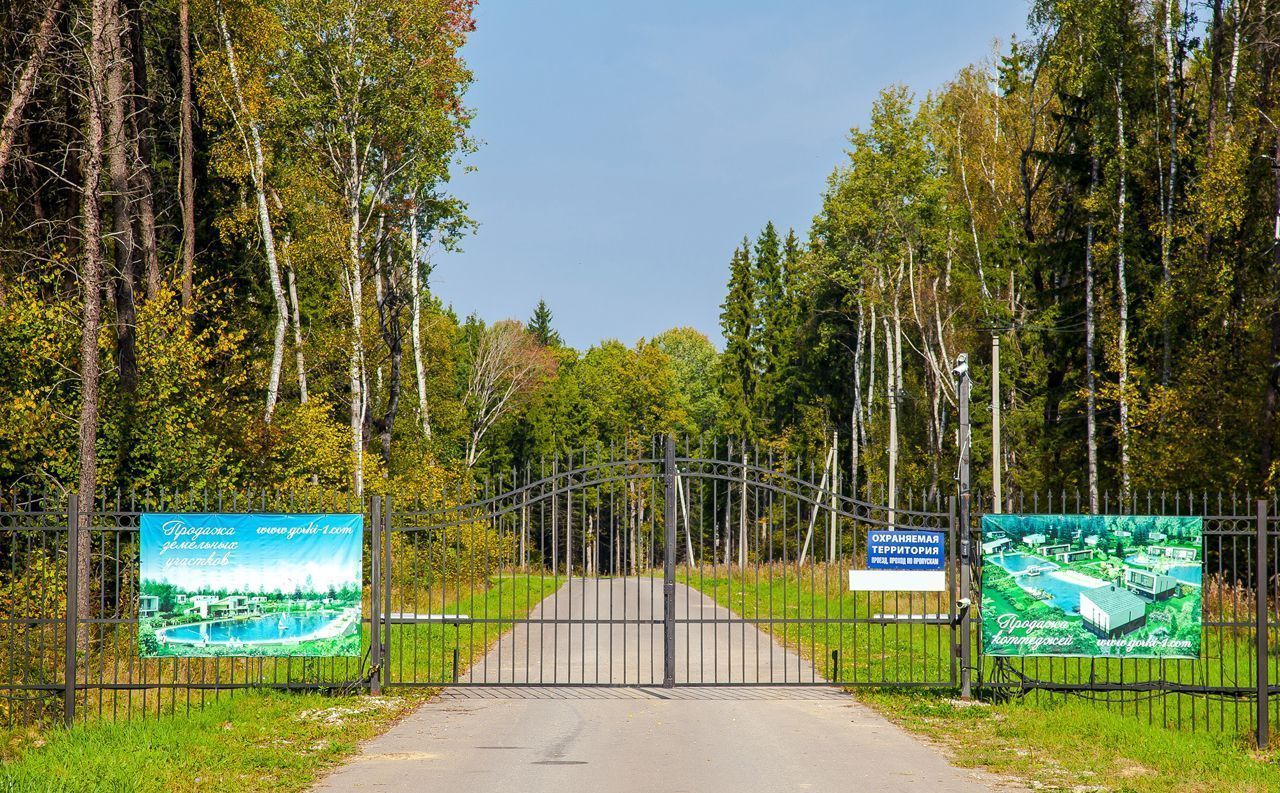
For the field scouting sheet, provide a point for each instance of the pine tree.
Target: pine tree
(540, 326)
(740, 361)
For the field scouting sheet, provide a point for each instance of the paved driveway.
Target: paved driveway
(645, 739)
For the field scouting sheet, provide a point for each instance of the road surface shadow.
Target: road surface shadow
(719, 693)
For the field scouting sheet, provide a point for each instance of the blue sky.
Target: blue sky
(627, 147)
(263, 555)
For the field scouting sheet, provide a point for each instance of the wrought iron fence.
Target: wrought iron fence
(697, 564)
(1233, 685)
(88, 666)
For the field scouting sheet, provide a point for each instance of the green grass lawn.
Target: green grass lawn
(252, 741)
(1075, 746)
(256, 740)
(1050, 740)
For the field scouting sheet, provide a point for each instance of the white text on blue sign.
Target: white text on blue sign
(906, 550)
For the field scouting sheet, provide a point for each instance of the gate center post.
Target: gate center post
(669, 564)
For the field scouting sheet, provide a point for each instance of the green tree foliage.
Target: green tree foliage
(540, 326)
(1129, 147)
(694, 362)
(740, 367)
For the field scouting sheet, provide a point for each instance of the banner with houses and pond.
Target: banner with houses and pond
(1119, 586)
(250, 585)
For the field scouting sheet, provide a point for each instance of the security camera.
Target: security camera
(962, 366)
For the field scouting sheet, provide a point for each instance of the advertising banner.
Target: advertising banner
(250, 585)
(1119, 586)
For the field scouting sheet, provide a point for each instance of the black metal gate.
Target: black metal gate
(654, 566)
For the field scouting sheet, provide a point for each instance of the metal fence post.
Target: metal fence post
(1261, 626)
(963, 385)
(375, 597)
(966, 590)
(73, 610)
(669, 565)
(386, 591)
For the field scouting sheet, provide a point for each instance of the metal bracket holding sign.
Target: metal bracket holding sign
(902, 561)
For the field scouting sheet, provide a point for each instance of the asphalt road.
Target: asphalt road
(645, 739)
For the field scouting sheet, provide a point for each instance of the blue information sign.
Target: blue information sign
(906, 549)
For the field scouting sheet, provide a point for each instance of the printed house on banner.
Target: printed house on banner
(1111, 611)
(1153, 586)
(148, 605)
(209, 606)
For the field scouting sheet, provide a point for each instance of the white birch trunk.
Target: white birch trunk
(356, 362)
(1166, 233)
(856, 430)
(891, 393)
(299, 354)
(424, 414)
(1091, 395)
(1122, 290)
(257, 172)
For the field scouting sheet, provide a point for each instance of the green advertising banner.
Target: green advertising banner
(250, 585)
(1119, 586)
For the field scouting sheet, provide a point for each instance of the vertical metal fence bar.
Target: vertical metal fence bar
(386, 594)
(375, 599)
(72, 622)
(1260, 625)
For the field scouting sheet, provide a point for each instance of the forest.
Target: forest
(219, 218)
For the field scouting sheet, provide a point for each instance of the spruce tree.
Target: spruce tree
(540, 326)
(772, 324)
(738, 323)
(786, 320)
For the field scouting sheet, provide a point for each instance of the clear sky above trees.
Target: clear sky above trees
(648, 137)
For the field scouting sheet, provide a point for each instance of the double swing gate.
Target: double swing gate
(674, 566)
(654, 564)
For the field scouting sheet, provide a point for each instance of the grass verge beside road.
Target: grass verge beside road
(1051, 743)
(253, 741)
(258, 740)
(1076, 746)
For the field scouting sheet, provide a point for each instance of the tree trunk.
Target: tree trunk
(25, 84)
(1091, 386)
(1272, 399)
(1173, 74)
(1122, 291)
(424, 413)
(1215, 70)
(871, 370)
(186, 147)
(856, 428)
(122, 242)
(257, 172)
(356, 295)
(141, 182)
(389, 300)
(295, 315)
(91, 286)
(297, 327)
(891, 394)
(1233, 70)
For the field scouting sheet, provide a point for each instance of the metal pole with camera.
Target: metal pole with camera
(963, 386)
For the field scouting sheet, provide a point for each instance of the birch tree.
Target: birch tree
(249, 127)
(380, 116)
(505, 363)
